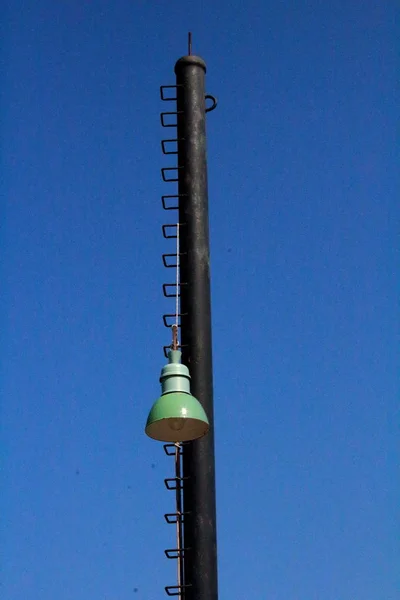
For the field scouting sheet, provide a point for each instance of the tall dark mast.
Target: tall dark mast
(184, 415)
(200, 539)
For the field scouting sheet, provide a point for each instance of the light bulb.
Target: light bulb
(176, 424)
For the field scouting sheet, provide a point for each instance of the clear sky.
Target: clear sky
(303, 182)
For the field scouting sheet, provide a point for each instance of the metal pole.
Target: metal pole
(200, 540)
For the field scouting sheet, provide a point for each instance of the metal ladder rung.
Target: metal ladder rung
(168, 87)
(174, 553)
(168, 227)
(176, 590)
(164, 122)
(174, 294)
(168, 197)
(171, 265)
(172, 316)
(174, 483)
(166, 170)
(168, 348)
(165, 143)
(170, 449)
(173, 518)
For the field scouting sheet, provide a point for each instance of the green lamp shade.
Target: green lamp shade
(177, 417)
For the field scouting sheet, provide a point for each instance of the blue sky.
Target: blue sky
(303, 183)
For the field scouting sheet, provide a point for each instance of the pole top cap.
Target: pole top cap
(189, 60)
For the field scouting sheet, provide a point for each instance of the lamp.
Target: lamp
(176, 416)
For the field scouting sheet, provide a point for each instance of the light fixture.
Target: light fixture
(176, 416)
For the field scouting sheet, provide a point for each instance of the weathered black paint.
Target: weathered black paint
(200, 539)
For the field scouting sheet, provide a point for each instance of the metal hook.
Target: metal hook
(214, 102)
